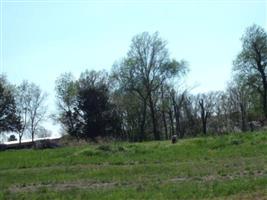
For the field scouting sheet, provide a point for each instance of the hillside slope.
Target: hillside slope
(223, 167)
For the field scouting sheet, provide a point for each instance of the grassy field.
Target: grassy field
(224, 167)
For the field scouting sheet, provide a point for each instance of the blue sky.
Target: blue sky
(41, 39)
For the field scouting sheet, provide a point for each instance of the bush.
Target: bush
(3, 147)
(12, 138)
(121, 148)
(68, 140)
(45, 144)
(104, 148)
(89, 152)
(236, 142)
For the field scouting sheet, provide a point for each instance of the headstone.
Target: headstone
(174, 139)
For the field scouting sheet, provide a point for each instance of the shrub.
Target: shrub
(44, 144)
(236, 142)
(104, 148)
(2, 147)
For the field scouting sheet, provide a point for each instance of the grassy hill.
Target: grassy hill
(224, 167)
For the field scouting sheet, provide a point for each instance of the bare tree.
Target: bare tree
(22, 100)
(239, 94)
(206, 105)
(30, 101)
(222, 110)
(177, 102)
(37, 109)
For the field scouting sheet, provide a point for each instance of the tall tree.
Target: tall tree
(22, 101)
(99, 116)
(67, 104)
(9, 120)
(252, 61)
(147, 66)
(130, 84)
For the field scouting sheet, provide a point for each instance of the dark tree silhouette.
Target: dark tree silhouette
(97, 113)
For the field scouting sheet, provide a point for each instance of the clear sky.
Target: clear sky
(43, 38)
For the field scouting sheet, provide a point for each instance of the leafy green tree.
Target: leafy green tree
(130, 109)
(146, 67)
(133, 99)
(67, 104)
(98, 114)
(12, 138)
(251, 62)
(9, 120)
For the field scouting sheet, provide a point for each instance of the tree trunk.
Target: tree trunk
(204, 116)
(265, 100)
(177, 120)
(243, 118)
(204, 124)
(32, 133)
(153, 117)
(171, 121)
(261, 69)
(163, 113)
(143, 122)
(20, 137)
(165, 124)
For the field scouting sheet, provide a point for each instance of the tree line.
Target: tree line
(143, 96)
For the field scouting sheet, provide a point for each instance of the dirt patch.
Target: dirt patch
(87, 184)
(62, 186)
(258, 195)
(210, 178)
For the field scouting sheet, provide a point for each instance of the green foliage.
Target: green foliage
(85, 107)
(97, 112)
(9, 120)
(66, 93)
(12, 138)
(140, 75)
(250, 64)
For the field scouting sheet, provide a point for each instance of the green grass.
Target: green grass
(224, 167)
